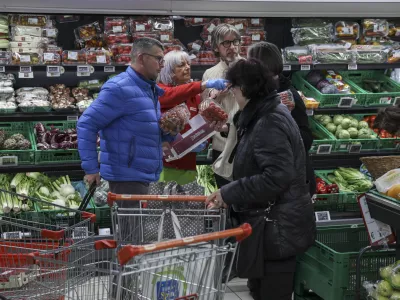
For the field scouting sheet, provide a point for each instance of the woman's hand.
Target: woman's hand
(219, 126)
(218, 84)
(215, 201)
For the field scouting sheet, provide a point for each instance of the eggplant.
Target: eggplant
(74, 137)
(39, 127)
(66, 145)
(60, 137)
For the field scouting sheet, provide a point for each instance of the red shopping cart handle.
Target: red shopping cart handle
(130, 251)
(179, 198)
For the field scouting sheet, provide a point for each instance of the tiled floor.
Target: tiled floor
(237, 290)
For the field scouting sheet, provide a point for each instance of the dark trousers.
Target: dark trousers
(274, 286)
(228, 225)
(129, 188)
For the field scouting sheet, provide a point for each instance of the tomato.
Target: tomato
(372, 119)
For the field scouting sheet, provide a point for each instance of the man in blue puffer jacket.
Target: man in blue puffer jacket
(126, 115)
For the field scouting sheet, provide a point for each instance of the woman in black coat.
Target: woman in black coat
(269, 188)
(270, 55)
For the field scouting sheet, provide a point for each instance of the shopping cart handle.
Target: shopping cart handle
(179, 198)
(105, 244)
(130, 251)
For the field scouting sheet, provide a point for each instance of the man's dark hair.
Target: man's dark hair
(269, 54)
(253, 77)
(144, 45)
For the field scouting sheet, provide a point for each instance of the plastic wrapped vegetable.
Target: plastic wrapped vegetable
(212, 112)
(297, 54)
(101, 193)
(94, 84)
(287, 99)
(5, 57)
(88, 31)
(32, 20)
(141, 24)
(347, 30)
(174, 120)
(375, 27)
(366, 54)
(332, 53)
(312, 35)
(305, 22)
(74, 57)
(116, 24)
(26, 58)
(195, 21)
(98, 57)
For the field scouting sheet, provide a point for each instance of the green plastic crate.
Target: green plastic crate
(346, 145)
(343, 201)
(36, 109)
(374, 99)
(25, 157)
(326, 100)
(6, 111)
(328, 268)
(56, 156)
(321, 137)
(389, 144)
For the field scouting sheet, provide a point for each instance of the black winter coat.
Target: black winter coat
(299, 114)
(270, 167)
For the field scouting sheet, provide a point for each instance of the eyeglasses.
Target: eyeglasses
(160, 59)
(227, 44)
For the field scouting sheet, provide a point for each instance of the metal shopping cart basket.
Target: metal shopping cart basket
(154, 218)
(32, 249)
(176, 269)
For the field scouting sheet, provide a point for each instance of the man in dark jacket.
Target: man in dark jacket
(126, 114)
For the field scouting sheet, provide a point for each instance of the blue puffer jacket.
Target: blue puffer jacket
(126, 115)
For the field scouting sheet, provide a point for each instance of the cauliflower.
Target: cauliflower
(17, 137)
(9, 144)
(23, 144)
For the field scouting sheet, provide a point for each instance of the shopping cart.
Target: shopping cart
(37, 249)
(160, 217)
(176, 269)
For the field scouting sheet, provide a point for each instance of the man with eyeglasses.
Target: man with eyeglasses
(225, 43)
(126, 115)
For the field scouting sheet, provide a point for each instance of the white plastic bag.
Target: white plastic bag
(385, 182)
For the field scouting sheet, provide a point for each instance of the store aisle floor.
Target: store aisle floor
(237, 290)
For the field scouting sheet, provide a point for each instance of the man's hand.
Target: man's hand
(91, 178)
(219, 126)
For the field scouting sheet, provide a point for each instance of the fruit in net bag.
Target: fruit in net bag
(174, 120)
(212, 112)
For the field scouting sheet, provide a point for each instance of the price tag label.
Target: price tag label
(322, 216)
(2, 69)
(25, 75)
(48, 56)
(117, 29)
(309, 112)
(255, 21)
(72, 118)
(255, 37)
(305, 67)
(352, 67)
(72, 55)
(82, 71)
(140, 27)
(32, 21)
(324, 149)
(239, 26)
(287, 67)
(346, 102)
(24, 69)
(8, 161)
(53, 71)
(198, 20)
(355, 148)
(14, 235)
(109, 69)
(385, 100)
(51, 32)
(396, 101)
(101, 59)
(164, 37)
(211, 28)
(80, 233)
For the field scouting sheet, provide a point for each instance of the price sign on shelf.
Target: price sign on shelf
(324, 149)
(396, 101)
(346, 102)
(2, 69)
(54, 71)
(25, 75)
(305, 67)
(109, 69)
(352, 67)
(287, 67)
(13, 235)
(72, 118)
(25, 69)
(355, 148)
(83, 71)
(8, 161)
(385, 100)
(309, 112)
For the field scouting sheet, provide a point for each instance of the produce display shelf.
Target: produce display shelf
(342, 110)
(67, 68)
(386, 210)
(48, 116)
(328, 267)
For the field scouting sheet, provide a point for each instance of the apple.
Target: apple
(384, 288)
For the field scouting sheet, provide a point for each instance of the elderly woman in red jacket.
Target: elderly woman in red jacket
(175, 80)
